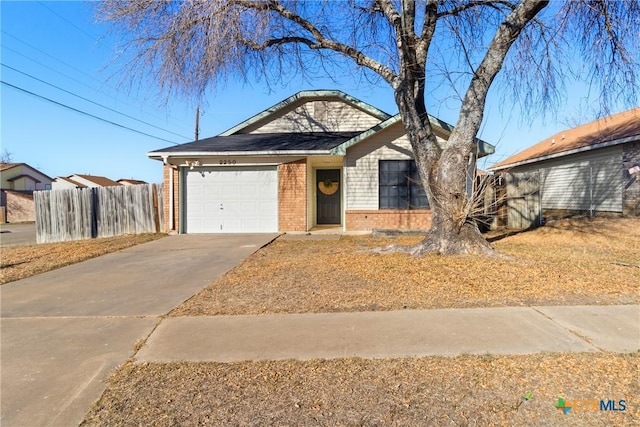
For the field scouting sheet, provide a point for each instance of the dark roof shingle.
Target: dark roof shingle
(311, 141)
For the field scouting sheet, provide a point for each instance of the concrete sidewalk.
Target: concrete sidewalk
(63, 332)
(448, 332)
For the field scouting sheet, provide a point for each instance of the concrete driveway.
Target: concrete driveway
(17, 234)
(63, 332)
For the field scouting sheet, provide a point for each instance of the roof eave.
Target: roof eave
(188, 154)
(24, 175)
(566, 153)
(341, 149)
(483, 147)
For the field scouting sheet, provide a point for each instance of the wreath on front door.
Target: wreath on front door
(328, 187)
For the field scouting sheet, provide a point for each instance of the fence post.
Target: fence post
(93, 213)
(156, 215)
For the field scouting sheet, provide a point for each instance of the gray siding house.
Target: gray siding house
(591, 168)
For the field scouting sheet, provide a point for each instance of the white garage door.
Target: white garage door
(232, 200)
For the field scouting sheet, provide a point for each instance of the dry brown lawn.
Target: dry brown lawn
(18, 262)
(433, 391)
(570, 262)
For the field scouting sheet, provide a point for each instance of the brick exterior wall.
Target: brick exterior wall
(166, 199)
(292, 196)
(631, 187)
(388, 219)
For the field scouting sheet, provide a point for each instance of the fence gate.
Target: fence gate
(523, 200)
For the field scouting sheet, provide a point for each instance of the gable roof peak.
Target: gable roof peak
(308, 95)
(7, 166)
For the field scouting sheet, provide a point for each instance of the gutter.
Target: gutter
(567, 153)
(341, 150)
(187, 154)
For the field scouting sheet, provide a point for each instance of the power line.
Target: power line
(92, 102)
(66, 20)
(85, 113)
(71, 67)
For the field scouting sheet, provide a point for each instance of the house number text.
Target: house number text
(228, 162)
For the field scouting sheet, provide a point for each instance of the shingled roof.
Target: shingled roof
(263, 143)
(604, 132)
(99, 180)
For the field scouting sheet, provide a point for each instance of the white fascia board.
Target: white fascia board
(567, 153)
(341, 149)
(190, 154)
(446, 128)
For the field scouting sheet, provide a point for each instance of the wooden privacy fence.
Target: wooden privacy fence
(523, 200)
(85, 213)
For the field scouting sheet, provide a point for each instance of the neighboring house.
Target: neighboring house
(81, 181)
(63, 183)
(130, 182)
(591, 168)
(318, 158)
(22, 177)
(18, 182)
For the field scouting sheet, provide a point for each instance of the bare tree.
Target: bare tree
(5, 157)
(415, 46)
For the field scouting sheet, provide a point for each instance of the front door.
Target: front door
(328, 196)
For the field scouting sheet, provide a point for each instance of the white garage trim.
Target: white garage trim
(231, 199)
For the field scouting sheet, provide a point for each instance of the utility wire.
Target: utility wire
(66, 20)
(85, 113)
(92, 102)
(69, 66)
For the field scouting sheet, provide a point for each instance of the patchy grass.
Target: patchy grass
(433, 391)
(19, 262)
(569, 262)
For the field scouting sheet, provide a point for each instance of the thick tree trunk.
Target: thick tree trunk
(453, 229)
(443, 167)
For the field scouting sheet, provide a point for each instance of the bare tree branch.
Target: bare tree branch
(322, 42)
(471, 112)
(460, 8)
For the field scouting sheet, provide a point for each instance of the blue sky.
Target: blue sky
(56, 50)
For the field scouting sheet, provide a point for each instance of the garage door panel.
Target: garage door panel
(232, 200)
